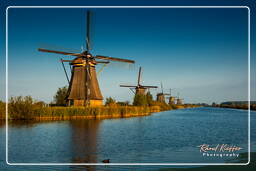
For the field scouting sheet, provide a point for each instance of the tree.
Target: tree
(149, 98)
(140, 100)
(21, 107)
(110, 101)
(60, 96)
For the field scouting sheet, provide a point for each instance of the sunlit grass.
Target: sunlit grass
(26, 108)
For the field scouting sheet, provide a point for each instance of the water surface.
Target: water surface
(166, 137)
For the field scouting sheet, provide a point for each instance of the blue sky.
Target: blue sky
(201, 53)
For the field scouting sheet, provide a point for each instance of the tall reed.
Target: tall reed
(25, 108)
(2, 110)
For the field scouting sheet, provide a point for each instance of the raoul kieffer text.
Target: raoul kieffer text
(219, 150)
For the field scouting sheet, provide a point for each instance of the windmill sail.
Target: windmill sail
(140, 89)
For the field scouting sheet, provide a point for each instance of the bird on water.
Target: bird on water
(106, 161)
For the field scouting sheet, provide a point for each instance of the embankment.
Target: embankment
(68, 113)
(104, 112)
(33, 112)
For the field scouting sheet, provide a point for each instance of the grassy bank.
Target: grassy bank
(25, 108)
(67, 113)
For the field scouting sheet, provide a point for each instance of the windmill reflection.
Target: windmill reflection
(2, 123)
(84, 142)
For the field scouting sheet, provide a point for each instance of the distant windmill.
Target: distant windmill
(179, 100)
(171, 98)
(160, 97)
(139, 89)
(83, 86)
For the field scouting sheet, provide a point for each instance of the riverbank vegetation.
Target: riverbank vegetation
(2, 110)
(26, 108)
(60, 96)
(236, 105)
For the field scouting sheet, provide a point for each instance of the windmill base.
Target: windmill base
(72, 102)
(171, 102)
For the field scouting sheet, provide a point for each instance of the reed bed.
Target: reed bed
(67, 113)
(2, 110)
(25, 108)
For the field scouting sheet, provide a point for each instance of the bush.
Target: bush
(140, 100)
(126, 103)
(110, 101)
(149, 98)
(21, 107)
(60, 96)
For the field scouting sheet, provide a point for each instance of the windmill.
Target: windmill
(139, 89)
(179, 101)
(83, 86)
(171, 98)
(160, 97)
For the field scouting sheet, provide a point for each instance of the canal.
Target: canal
(166, 137)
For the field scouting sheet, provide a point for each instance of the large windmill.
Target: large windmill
(160, 97)
(83, 86)
(139, 89)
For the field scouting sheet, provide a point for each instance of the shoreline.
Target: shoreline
(252, 107)
(77, 113)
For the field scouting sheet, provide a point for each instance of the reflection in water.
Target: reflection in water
(24, 123)
(2, 123)
(84, 144)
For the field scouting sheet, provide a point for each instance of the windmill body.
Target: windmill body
(84, 88)
(160, 97)
(139, 89)
(179, 101)
(77, 93)
(171, 98)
